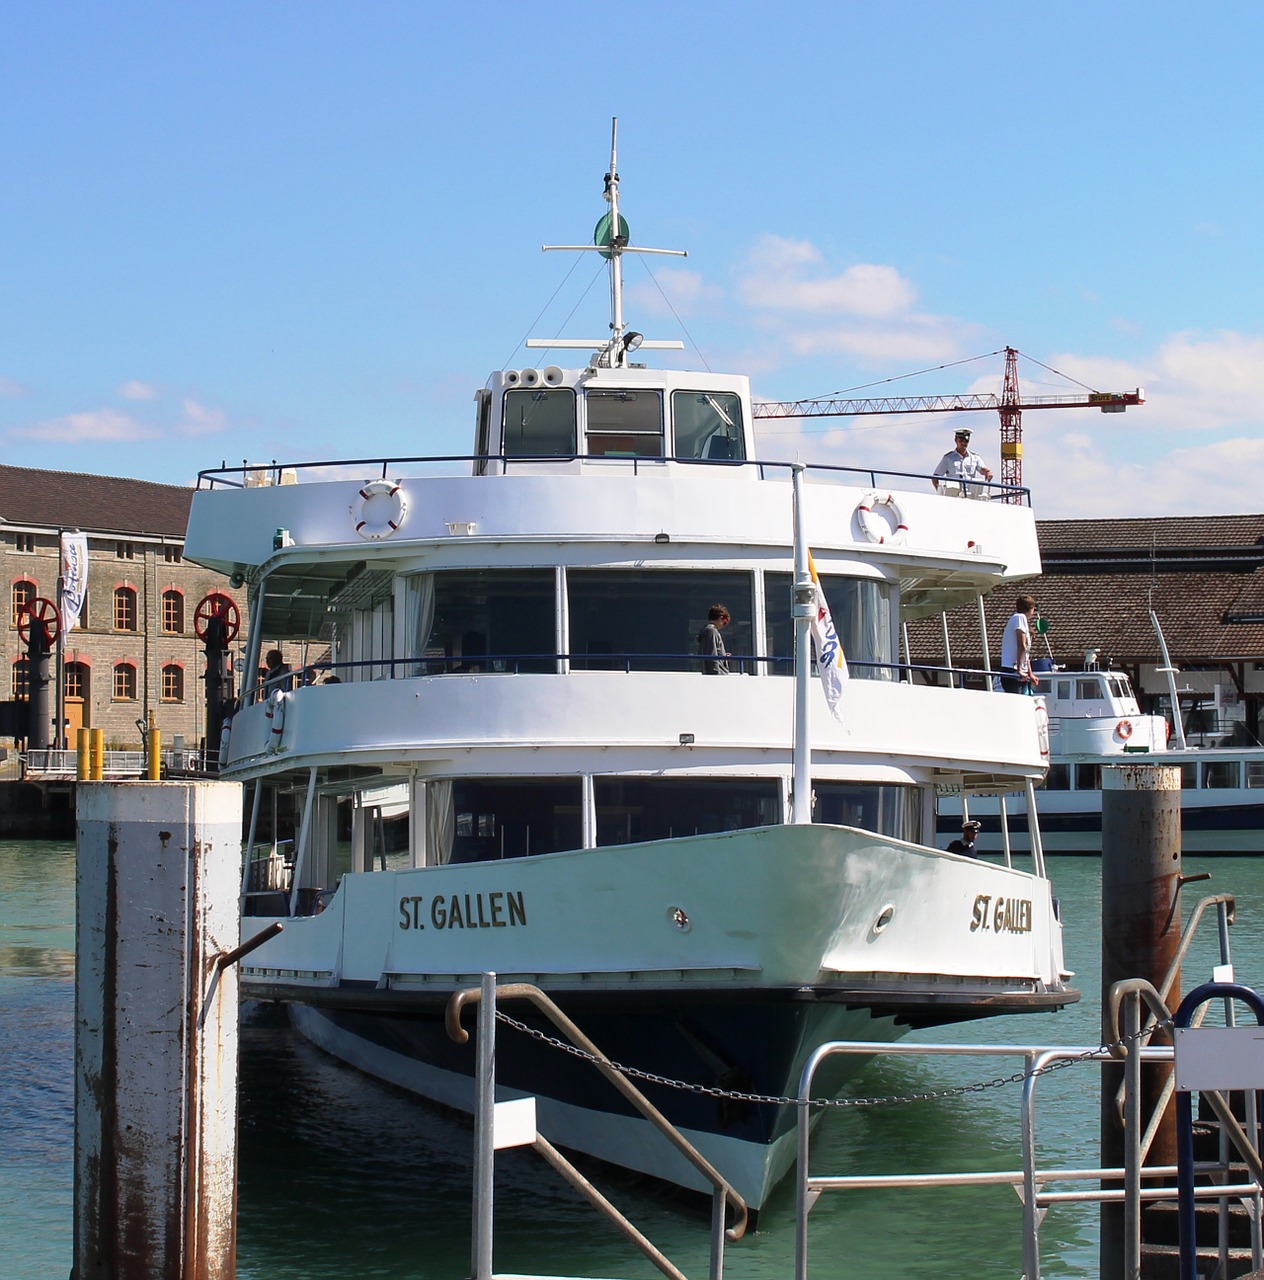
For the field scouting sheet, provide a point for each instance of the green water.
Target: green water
(341, 1176)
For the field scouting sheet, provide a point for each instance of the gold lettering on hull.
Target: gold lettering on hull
(1000, 915)
(500, 909)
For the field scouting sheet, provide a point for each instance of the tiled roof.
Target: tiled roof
(1139, 536)
(95, 504)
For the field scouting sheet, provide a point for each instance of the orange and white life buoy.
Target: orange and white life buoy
(274, 713)
(875, 526)
(379, 509)
(1124, 729)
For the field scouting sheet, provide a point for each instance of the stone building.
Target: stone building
(133, 649)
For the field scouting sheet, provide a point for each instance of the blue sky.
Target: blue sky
(300, 231)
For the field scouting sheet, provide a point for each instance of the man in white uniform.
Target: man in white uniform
(959, 465)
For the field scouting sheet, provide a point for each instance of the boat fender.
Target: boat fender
(275, 715)
(1124, 729)
(874, 526)
(379, 509)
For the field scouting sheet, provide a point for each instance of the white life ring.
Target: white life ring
(1124, 729)
(874, 526)
(275, 716)
(379, 509)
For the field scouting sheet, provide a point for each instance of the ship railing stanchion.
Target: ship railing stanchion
(484, 1118)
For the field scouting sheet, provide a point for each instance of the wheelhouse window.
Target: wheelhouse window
(630, 810)
(625, 423)
(862, 613)
(708, 424)
(889, 809)
(540, 423)
(125, 682)
(486, 819)
(483, 620)
(649, 620)
(125, 609)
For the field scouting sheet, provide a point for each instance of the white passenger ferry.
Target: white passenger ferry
(712, 874)
(1095, 721)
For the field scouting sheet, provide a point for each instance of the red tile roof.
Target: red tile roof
(95, 504)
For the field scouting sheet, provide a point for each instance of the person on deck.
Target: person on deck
(711, 643)
(969, 834)
(1016, 672)
(958, 466)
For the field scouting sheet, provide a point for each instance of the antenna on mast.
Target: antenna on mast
(611, 240)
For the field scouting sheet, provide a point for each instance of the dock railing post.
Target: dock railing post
(484, 1134)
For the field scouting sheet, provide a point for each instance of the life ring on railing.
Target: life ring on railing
(1124, 729)
(1167, 731)
(874, 526)
(379, 509)
(275, 716)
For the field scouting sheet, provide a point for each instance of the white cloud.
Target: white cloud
(784, 275)
(12, 387)
(685, 291)
(135, 390)
(96, 425)
(200, 420)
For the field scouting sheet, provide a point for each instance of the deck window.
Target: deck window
(494, 818)
(1254, 773)
(483, 620)
(890, 810)
(630, 810)
(861, 609)
(1189, 777)
(1088, 777)
(708, 425)
(1058, 778)
(625, 620)
(540, 423)
(625, 423)
(1221, 774)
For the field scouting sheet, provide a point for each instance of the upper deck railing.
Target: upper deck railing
(265, 475)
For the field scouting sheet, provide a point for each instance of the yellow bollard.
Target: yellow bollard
(81, 755)
(153, 742)
(96, 755)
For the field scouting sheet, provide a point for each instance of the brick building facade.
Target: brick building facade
(134, 649)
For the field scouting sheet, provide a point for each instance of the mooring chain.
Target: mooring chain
(736, 1095)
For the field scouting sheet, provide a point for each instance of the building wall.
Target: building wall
(149, 566)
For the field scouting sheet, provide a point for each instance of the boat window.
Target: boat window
(1221, 774)
(1088, 777)
(493, 818)
(625, 424)
(1088, 690)
(708, 424)
(1064, 691)
(1189, 777)
(1254, 773)
(861, 609)
(630, 810)
(1058, 778)
(540, 423)
(649, 620)
(464, 620)
(1120, 687)
(889, 809)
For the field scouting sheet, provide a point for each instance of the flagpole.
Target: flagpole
(59, 732)
(801, 611)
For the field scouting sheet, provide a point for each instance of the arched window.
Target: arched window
(125, 682)
(23, 594)
(21, 679)
(124, 608)
(76, 679)
(172, 611)
(173, 682)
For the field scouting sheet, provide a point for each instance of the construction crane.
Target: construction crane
(1010, 404)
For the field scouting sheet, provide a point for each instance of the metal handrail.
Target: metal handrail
(724, 1195)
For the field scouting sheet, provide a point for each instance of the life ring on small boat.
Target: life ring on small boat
(1124, 729)
(874, 526)
(275, 716)
(379, 509)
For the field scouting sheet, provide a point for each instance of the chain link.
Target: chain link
(736, 1095)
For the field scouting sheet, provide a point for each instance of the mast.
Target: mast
(618, 241)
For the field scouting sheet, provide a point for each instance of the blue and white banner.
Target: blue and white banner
(831, 663)
(74, 578)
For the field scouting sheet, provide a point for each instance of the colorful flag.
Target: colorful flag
(74, 577)
(831, 664)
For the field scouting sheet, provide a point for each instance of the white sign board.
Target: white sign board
(1219, 1058)
(513, 1123)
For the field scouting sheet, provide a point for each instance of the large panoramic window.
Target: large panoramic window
(540, 423)
(648, 620)
(861, 609)
(630, 810)
(625, 423)
(708, 425)
(889, 809)
(483, 819)
(483, 620)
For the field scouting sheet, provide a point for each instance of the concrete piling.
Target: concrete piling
(157, 881)
(1141, 932)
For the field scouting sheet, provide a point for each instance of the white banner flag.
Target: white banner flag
(74, 577)
(831, 663)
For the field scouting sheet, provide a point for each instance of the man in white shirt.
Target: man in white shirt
(959, 465)
(1016, 672)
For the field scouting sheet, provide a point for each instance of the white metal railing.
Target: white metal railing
(56, 762)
